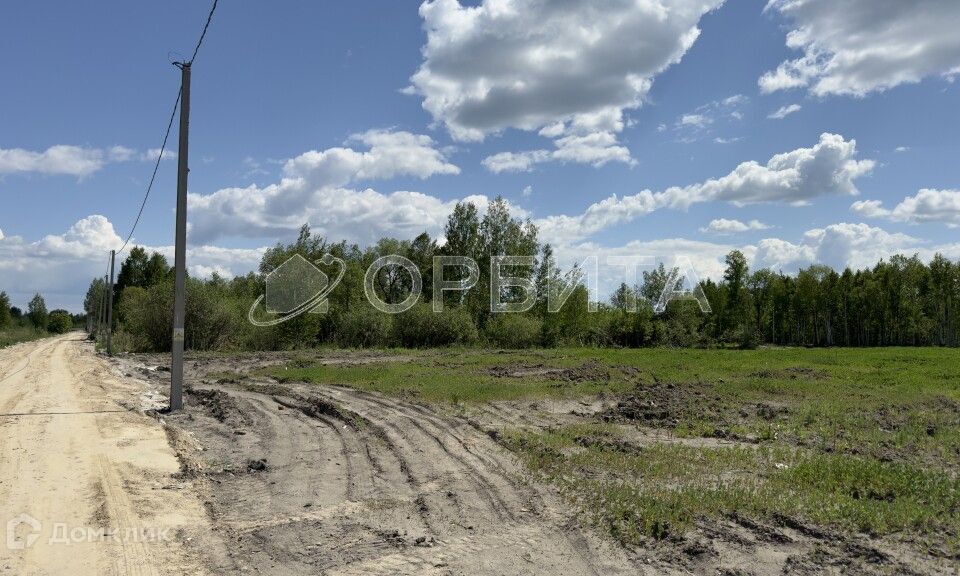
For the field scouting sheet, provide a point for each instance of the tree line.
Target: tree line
(37, 318)
(900, 302)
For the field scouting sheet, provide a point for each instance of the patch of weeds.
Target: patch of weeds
(657, 491)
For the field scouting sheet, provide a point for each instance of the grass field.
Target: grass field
(12, 336)
(855, 440)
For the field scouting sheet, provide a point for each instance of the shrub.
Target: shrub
(148, 313)
(364, 327)
(59, 322)
(514, 330)
(421, 327)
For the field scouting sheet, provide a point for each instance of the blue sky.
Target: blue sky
(321, 112)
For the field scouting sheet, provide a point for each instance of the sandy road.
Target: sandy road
(87, 485)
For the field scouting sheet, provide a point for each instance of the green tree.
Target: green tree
(5, 318)
(141, 270)
(60, 322)
(37, 312)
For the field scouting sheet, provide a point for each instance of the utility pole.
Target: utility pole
(103, 308)
(180, 251)
(113, 258)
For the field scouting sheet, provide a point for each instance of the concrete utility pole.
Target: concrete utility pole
(113, 257)
(103, 308)
(180, 251)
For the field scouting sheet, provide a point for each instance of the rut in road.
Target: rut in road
(308, 480)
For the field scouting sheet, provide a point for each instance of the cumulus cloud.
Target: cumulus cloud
(827, 168)
(706, 258)
(724, 226)
(569, 70)
(315, 189)
(838, 245)
(390, 154)
(528, 64)
(927, 206)
(79, 161)
(859, 46)
(784, 111)
(842, 245)
(61, 159)
(60, 266)
(516, 161)
(595, 149)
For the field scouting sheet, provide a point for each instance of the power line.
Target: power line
(166, 135)
(204, 33)
(153, 177)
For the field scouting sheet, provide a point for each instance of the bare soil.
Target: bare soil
(97, 474)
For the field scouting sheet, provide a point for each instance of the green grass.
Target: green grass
(657, 491)
(10, 336)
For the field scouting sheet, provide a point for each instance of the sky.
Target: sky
(798, 131)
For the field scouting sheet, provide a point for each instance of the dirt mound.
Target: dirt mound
(218, 404)
(665, 404)
(591, 371)
(792, 373)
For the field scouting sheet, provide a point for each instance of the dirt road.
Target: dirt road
(86, 484)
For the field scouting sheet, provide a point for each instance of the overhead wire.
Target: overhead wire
(166, 135)
(204, 33)
(153, 177)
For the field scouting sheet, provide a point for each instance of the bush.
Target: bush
(59, 322)
(364, 327)
(148, 313)
(421, 327)
(514, 331)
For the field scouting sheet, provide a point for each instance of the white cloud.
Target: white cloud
(390, 154)
(568, 70)
(516, 161)
(707, 258)
(529, 64)
(61, 159)
(841, 245)
(152, 154)
(79, 161)
(316, 190)
(724, 226)
(859, 46)
(596, 149)
(702, 121)
(796, 177)
(527, 192)
(925, 207)
(61, 266)
(785, 111)
(838, 246)
(121, 154)
(340, 213)
(696, 120)
(902, 149)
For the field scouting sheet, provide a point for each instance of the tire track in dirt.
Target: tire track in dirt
(488, 470)
(276, 531)
(396, 488)
(495, 496)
